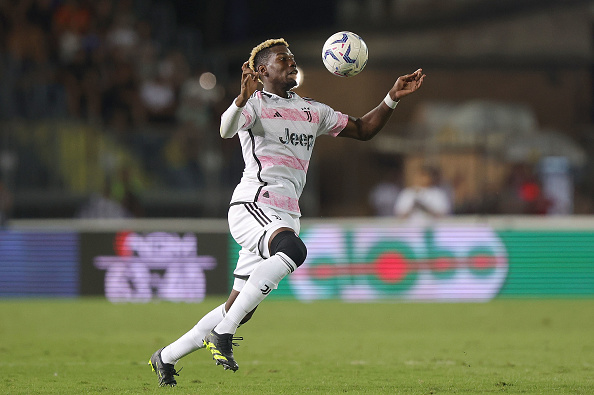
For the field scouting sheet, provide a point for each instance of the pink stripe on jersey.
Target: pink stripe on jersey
(290, 114)
(248, 118)
(281, 160)
(343, 119)
(280, 201)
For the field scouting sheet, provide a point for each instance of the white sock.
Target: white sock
(262, 281)
(192, 340)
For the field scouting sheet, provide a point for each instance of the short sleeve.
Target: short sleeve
(331, 122)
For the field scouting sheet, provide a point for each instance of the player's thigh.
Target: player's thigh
(251, 225)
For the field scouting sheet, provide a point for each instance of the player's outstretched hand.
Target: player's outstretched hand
(249, 84)
(407, 84)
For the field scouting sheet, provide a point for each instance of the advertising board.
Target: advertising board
(354, 260)
(38, 264)
(131, 266)
(445, 262)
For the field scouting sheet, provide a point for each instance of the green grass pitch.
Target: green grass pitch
(89, 346)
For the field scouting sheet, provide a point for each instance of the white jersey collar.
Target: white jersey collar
(292, 95)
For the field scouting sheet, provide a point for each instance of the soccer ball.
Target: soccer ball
(344, 54)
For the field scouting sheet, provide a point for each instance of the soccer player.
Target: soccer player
(277, 130)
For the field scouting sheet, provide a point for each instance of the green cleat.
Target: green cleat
(164, 371)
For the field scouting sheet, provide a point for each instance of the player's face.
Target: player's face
(282, 68)
(425, 179)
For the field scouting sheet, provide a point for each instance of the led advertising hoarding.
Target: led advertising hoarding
(445, 262)
(38, 264)
(139, 267)
(355, 260)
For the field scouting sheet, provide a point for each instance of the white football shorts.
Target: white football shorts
(251, 226)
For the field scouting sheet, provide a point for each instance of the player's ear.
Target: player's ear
(262, 70)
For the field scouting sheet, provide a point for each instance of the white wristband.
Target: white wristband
(389, 102)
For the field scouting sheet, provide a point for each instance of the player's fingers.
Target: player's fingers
(416, 75)
(412, 76)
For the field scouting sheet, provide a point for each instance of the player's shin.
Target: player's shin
(192, 340)
(262, 281)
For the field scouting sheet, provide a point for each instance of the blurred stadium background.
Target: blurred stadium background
(110, 110)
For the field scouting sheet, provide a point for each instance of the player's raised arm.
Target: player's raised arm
(249, 84)
(231, 119)
(370, 124)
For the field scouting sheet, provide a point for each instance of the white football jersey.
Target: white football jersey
(277, 138)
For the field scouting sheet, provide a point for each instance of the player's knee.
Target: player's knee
(289, 244)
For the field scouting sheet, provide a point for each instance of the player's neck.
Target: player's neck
(282, 92)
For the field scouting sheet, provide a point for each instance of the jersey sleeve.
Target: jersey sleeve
(236, 118)
(331, 122)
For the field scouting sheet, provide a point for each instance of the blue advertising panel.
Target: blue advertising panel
(38, 264)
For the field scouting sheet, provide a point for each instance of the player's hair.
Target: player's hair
(259, 52)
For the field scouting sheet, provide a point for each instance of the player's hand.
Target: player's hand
(407, 84)
(249, 84)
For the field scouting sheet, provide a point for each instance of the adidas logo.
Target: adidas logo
(277, 115)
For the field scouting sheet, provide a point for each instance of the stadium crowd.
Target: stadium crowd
(127, 69)
(123, 67)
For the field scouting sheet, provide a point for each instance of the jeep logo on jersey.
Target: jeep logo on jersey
(302, 139)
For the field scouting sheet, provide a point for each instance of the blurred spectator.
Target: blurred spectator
(71, 21)
(176, 62)
(121, 103)
(122, 36)
(199, 94)
(118, 199)
(522, 193)
(103, 205)
(28, 80)
(557, 185)
(103, 11)
(158, 96)
(147, 51)
(82, 81)
(383, 195)
(424, 200)
(182, 158)
(126, 188)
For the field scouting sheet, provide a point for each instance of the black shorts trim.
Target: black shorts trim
(261, 245)
(257, 213)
